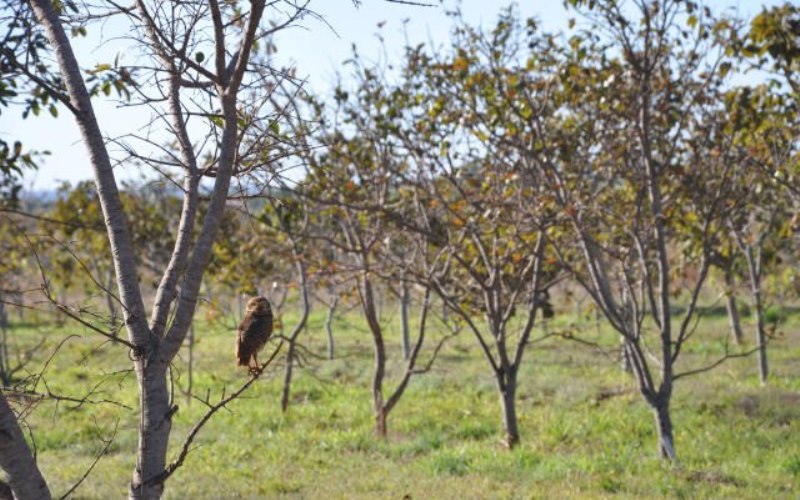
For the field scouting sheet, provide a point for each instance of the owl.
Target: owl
(254, 331)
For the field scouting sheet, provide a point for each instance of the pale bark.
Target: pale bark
(154, 428)
(16, 459)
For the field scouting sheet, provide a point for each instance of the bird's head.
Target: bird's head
(258, 305)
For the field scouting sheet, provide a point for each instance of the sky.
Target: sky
(317, 49)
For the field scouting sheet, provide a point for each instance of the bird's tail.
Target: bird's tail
(241, 359)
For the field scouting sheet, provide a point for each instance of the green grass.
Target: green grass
(586, 432)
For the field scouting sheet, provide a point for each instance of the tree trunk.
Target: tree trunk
(666, 444)
(508, 401)
(761, 340)
(630, 325)
(329, 327)
(733, 311)
(377, 385)
(155, 426)
(754, 268)
(16, 460)
(287, 378)
(624, 356)
(368, 305)
(405, 299)
(380, 419)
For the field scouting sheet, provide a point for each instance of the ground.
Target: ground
(586, 432)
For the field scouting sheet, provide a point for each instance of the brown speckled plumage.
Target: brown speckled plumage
(254, 331)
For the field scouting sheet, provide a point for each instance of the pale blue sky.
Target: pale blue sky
(316, 49)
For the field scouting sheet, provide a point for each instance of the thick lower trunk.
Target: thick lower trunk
(154, 429)
(405, 299)
(508, 402)
(16, 460)
(380, 421)
(666, 443)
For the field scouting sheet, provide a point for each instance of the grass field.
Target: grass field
(586, 433)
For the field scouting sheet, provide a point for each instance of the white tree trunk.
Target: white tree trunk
(155, 426)
(154, 347)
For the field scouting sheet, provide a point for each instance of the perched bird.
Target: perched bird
(254, 331)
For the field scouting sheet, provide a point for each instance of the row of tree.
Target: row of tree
(627, 158)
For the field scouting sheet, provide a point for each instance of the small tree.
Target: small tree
(629, 149)
(350, 180)
(480, 246)
(761, 219)
(181, 78)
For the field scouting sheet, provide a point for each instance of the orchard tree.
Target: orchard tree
(350, 181)
(760, 223)
(473, 204)
(177, 81)
(773, 42)
(631, 167)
